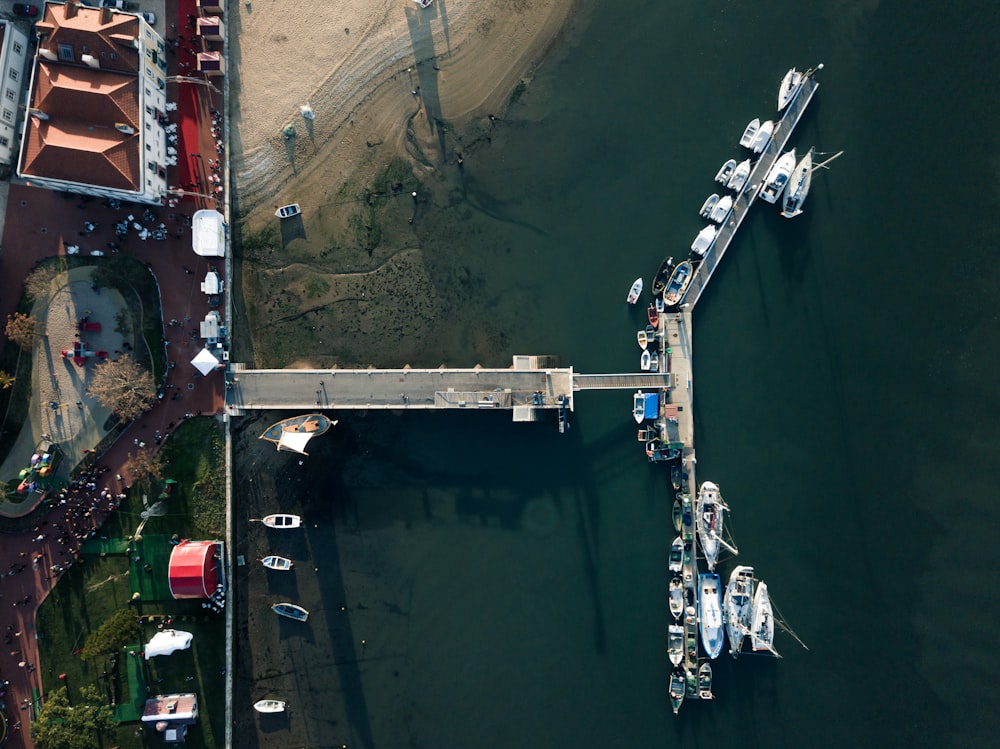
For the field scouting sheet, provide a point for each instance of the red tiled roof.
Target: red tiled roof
(106, 36)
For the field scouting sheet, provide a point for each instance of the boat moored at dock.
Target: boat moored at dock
(777, 179)
(677, 689)
(704, 240)
(763, 137)
(762, 621)
(726, 171)
(798, 187)
(645, 406)
(675, 644)
(721, 209)
(749, 133)
(705, 681)
(709, 520)
(663, 274)
(676, 559)
(737, 606)
(708, 205)
(789, 87)
(740, 175)
(710, 614)
(678, 284)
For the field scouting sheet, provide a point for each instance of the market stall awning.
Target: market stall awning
(205, 361)
(212, 283)
(208, 233)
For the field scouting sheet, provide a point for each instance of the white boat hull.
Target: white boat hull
(777, 179)
(763, 137)
(269, 706)
(710, 615)
(762, 624)
(746, 140)
(737, 606)
(798, 187)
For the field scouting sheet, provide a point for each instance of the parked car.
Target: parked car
(149, 17)
(26, 10)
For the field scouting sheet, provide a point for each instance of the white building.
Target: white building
(13, 55)
(95, 105)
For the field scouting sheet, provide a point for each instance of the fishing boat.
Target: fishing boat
(705, 681)
(290, 611)
(647, 433)
(269, 706)
(678, 284)
(710, 614)
(677, 515)
(287, 211)
(294, 433)
(737, 606)
(762, 621)
(663, 274)
(708, 205)
(798, 187)
(677, 690)
(704, 240)
(280, 520)
(746, 140)
(726, 171)
(740, 176)
(777, 179)
(676, 559)
(642, 338)
(763, 137)
(675, 643)
(653, 314)
(275, 562)
(708, 518)
(676, 598)
(657, 451)
(634, 292)
(721, 210)
(789, 87)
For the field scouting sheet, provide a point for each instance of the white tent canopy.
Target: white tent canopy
(205, 361)
(208, 233)
(168, 641)
(212, 283)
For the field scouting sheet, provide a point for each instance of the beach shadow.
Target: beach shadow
(291, 228)
(423, 75)
(290, 151)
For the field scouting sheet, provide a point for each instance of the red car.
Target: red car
(26, 10)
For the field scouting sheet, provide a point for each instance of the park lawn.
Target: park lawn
(97, 586)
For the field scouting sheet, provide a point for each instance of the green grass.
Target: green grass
(97, 586)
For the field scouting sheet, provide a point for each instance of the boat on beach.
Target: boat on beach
(290, 611)
(740, 176)
(726, 171)
(789, 87)
(708, 518)
(762, 621)
(705, 681)
(280, 520)
(721, 209)
(274, 562)
(798, 187)
(677, 286)
(677, 690)
(777, 179)
(293, 434)
(287, 211)
(749, 132)
(763, 137)
(269, 706)
(710, 614)
(663, 274)
(675, 644)
(704, 240)
(634, 292)
(708, 205)
(676, 597)
(737, 606)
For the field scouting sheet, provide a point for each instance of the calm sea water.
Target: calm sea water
(510, 583)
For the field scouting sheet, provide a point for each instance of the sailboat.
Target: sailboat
(737, 606)
(789, 87)
(710, 614)
(675, 644)
(798, 187)
(709, 521)
(762, 621)
(294, 433)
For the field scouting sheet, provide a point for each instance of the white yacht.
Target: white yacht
(738, 605)
(710, 614)
(777, 179)
(789, 87)
(798, 187)
(708, 520)
(762, 621)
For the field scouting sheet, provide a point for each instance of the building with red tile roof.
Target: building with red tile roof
(95, 106)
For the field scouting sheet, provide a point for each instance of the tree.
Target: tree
(117, 632)
(61, 725)
(145, 467)
(123, 387)
(38, 284)
(22, 329)
(7, 380)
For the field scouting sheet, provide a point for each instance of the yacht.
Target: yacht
(709, 517)
(762, 621)
(710, 614)
(798, 187)
(789, 87)
(777, 178)
(737, 606)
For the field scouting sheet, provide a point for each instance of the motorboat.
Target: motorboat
(763, 137)
(710, 614)
(798, 187)
(705, 681)
(281, 520)
(762, 621)
(634, 292)
(658, 452)
(677, 515)
(293, 434)
(675, 643)
(677, 690)
(721, 209)
(746, 140)
(704, 240)
(726, 171)
(708, 205)
(678, 284)
(676, 598)
(676, 559)
(660, 280)
(708, 518)
(642, 338)
(290, 611)
(737, 606)
(777, 179)
(287, 211)
(269, 706)
(275, 562)
(789, 87)
(740, 176)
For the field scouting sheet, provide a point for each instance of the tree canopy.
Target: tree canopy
(145, 466)
(61, 725)
(123, 387)
(23, 329)
(117, 632)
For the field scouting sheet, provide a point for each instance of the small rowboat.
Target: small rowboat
(653, 314)
(290, 611)
(676, 597)
(646, 360)
(269, 706)
(642, 338)
(287, 211)
(277, 563)
(281, 520)
(705, 682)
(635, 291)
(677, 515)
(748, 134)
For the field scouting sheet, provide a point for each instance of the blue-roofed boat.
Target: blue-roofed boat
(645, 406)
